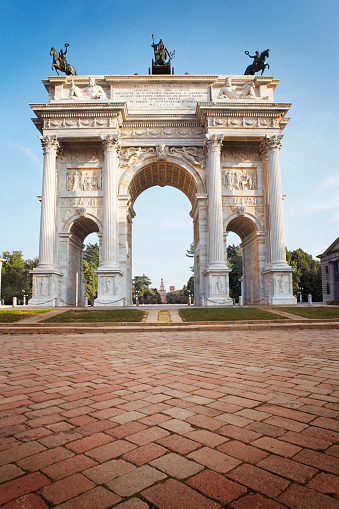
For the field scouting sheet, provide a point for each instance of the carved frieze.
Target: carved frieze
(241, 154)
(89, 202)
(240, 179)
(243, 122)
(161, 132)
(76, 123)
(249, 201)
(89, 179)
(83, 155)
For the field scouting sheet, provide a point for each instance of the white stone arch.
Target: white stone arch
(250, 230)
(71, 237)
(251, 217)
(188, 180)
(75, 217)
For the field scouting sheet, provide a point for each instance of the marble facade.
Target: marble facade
(108, 138)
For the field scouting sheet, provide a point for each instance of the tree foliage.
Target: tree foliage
(234, 262)
(90, 264)
(307, 275)
(16, 280)
(190, 254)
(141, 289)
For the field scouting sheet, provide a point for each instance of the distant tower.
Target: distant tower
(162, 292)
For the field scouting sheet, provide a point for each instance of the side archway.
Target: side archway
(249, 229)
(74, 232)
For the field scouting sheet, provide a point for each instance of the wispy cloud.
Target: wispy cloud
(324, 197)
(36, 161)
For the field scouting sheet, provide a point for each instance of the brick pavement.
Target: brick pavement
(180, 420)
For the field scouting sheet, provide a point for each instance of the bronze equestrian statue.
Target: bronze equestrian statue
(60, 62)
(259, 62)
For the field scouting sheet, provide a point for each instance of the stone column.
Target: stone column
(47, 225)
(277, 276)
(110, 227)
(110, 290)
(215, 221)
(278, 253)
(217, 272)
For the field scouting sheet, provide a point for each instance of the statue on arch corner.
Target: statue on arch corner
(60, 63)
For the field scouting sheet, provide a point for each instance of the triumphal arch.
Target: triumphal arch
(108, 138)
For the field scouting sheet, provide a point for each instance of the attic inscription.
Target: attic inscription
(161, 96)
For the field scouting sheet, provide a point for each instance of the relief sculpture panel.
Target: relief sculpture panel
(89, 179)
(240, 179)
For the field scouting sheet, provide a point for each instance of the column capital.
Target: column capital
(271, 143)
(49, 144)
(213, 142)
(110, 143)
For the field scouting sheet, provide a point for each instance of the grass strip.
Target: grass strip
(112, 315)
(16, 316)
(312, 312)
(226, 314)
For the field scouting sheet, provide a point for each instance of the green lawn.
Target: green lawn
(116, 315)
(16, 316)
(226, 314)
(312, 311)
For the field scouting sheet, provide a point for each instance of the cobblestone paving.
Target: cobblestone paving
(178, 420)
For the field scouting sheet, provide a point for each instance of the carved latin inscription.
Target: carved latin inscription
(93, 202)
(89, 179)
(249, 201)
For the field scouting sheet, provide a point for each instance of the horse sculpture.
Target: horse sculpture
(60, 62)
(259, 62)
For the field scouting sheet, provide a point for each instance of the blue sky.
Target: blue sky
(110, 37)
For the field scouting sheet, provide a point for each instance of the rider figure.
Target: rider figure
(63, 61)
(256, 58)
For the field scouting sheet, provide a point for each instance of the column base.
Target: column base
(109, 287)
(217, 286)
(46, 286)
(278, 284)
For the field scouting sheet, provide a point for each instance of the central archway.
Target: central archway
(162, 173)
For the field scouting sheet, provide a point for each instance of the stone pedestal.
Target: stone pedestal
(109, 288)
(46, 287)
(217, 287)
(278, 285)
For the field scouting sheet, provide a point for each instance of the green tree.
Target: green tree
(90, 264)
(190, 287)
(91, 255)
(16, 281)
(190, 254)
(307, 275)
(234, 262)
(141, 288)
